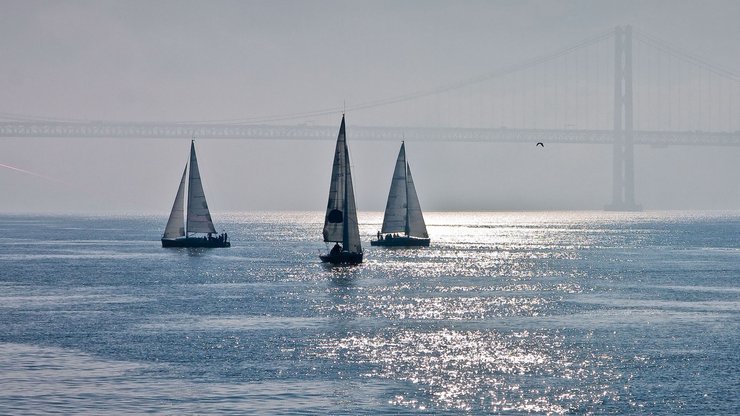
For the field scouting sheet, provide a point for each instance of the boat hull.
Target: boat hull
(343, 257)
(194, 242)
(401, 242)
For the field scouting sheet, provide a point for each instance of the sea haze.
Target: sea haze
(557, 312)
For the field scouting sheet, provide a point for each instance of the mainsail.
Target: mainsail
(395, 209)
(176, 224)
(402, 211)
(340, 223)
(199, 218)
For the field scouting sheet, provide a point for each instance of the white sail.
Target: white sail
(352, 234)
(415, 220)
(402, 211)
(340, 223)
(176, 224)
(199, 218)
(394, 220)
(334, 219)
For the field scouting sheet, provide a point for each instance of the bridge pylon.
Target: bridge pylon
(623, 163)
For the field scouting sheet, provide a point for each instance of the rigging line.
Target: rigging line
(666, 47)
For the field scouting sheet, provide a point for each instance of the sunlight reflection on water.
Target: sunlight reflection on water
(482, 369)
(505, 313)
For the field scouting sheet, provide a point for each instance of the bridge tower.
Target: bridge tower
(623, 164)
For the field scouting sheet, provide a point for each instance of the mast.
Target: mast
(395, 218)
(198, 216)
(345, 203)
(406, 187)
(190, 188)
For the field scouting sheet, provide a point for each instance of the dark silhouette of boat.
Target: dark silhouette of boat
(198, 229)
(402, 211)
(340, 223)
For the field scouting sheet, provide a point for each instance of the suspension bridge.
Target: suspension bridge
(622, 88)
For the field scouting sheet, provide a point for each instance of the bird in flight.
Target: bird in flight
(540, 144)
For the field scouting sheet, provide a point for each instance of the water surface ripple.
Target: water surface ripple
(513, 313)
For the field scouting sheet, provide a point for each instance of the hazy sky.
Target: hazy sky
(233, 60)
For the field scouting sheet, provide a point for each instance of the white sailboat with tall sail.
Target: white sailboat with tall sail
(402, 211)
(340, 223)
(186, 228)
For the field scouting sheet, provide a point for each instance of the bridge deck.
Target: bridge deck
(430, 134)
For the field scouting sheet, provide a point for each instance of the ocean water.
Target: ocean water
(509, 313)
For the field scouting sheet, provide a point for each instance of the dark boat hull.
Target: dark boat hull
(343, 257)
(401, 242)
(194, 242)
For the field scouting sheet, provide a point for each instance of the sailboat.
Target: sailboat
(181, 233)
(402, 211)
(340, 223)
